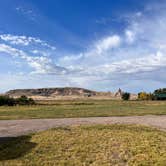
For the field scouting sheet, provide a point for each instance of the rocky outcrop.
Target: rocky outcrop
(119, 93)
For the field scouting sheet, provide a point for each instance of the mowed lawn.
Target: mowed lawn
(87, 145)
(83, 108)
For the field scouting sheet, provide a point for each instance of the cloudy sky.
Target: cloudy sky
(95, 44)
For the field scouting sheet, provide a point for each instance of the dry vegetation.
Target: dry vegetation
(83, 108)
(88, 145)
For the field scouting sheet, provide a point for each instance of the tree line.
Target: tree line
(158, 94)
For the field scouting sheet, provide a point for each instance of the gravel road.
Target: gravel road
(12, 128)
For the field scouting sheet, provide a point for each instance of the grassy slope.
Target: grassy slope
(91, 108)
(88, 145)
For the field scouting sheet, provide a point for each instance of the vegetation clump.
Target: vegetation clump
(126, 96)
(6, 100)
(24, 100)
(9, 101)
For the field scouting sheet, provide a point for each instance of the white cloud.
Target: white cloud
(9, 50)
(24, 40)
(40, 64)
(145, 64)
(107, 43)
(18, 40)
(97, 51)
(130, 36)
(41, 53)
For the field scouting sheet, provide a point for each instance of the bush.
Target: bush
(31, 101)
(6, 100)
(24, 100)
(126, 96)
(9, 101)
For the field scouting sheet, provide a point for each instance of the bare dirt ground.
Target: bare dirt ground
(12, 128)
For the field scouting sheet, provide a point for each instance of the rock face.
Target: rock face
(51, 92)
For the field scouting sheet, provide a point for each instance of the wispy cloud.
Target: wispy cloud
(130, 36)
(107, 43)
(40, 64)
(24, 40)
(27, 12)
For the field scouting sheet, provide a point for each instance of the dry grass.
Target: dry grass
(88, 145)
(84, 108)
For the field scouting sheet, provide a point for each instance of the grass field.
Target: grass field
(83, 108)
(88, 145)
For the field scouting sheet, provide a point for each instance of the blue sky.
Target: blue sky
(100, 45)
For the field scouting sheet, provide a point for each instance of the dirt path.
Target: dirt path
(10, 128)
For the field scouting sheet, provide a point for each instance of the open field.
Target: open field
(87, 145)
(83, 108)
(107, 145)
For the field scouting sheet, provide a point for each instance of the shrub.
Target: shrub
(31, 101)
(126, 96)
(6, 100)
(24, 100)
(9, 101)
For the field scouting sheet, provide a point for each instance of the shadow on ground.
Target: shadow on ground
(15, 147)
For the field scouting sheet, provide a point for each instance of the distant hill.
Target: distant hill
(51, 92)
(65, 93)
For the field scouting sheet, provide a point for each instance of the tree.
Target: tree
(160, 94)
(143, 96)
(126, 96)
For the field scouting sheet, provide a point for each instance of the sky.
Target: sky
(94, 44)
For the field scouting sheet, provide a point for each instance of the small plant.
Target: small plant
(126, 96)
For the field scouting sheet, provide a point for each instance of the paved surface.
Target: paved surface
(11, 128)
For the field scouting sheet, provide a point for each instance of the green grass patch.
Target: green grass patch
(88, 145)
(84, 108)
